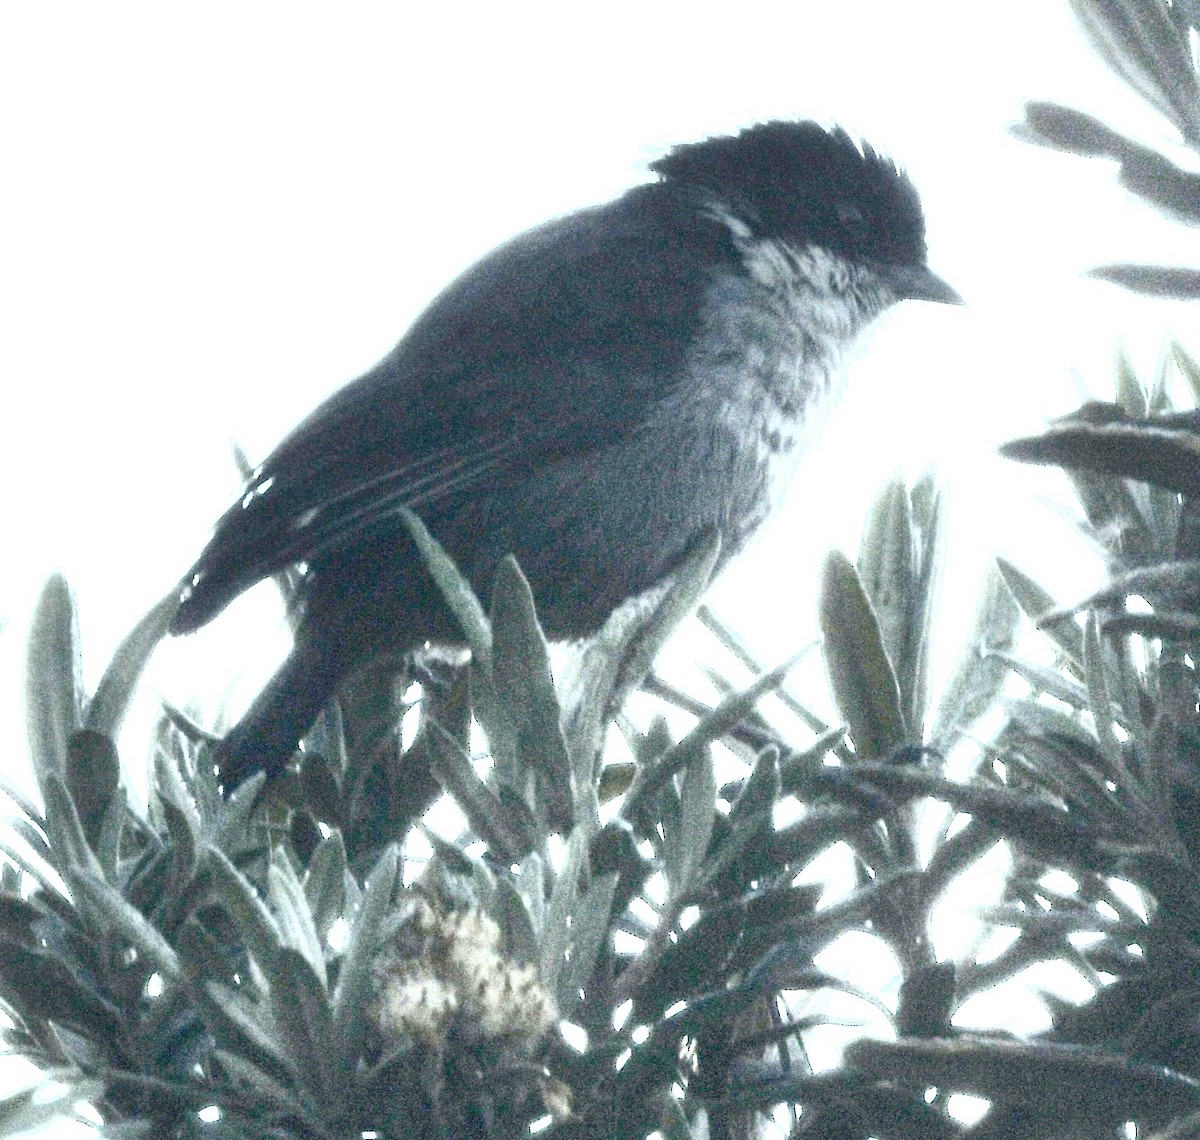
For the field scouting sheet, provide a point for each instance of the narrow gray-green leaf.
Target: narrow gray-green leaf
(461, 880)
(108, 845)
(800, 842)
(68, 843)
(730, 639)
(1048, 831)
(713, 725)
(530, 885)
(233, 816)
(1160, 402)
(750, 818)
(324, 883)
(885, 568)
(301, 1011)
(1151, 280)
(292, 912)
(1064, 128)
(1037, 604)
(92, 775)
(1138, 41)
(28, 808)
(556, 934)
(688, 584)
(35, 1107)
(486, 812)
(980, 672)
(1101, 704)
(261, 1089)
(245, 1029)
(850, 910)
(795, 766)
(1164, 454)
(1188, 367)
(1169, 625)
(524, 685)
(589, 930)
(184, 825)
(257, 926)
(354, 991)
(861, 677)
(1174, 581)
(1072, 774)
(929, 530)
(1071, 1079)
(1130, 393)
(41, 871)
(29, 832)
(107, 709)
(53, 685)
(698, 804)
(1042, 719)
(516, 923)
(1169, 189)
(96, 896)
(617, 659)
(1115, 506)
(1046, 680)
(760, 792)
(455, 589)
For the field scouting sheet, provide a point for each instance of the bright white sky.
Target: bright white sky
(212, 216)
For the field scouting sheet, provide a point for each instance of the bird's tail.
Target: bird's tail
(265, 739)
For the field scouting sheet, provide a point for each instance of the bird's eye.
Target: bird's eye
(850, 217)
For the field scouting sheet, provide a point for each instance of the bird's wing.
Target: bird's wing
(554, 345)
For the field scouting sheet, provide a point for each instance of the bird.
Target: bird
(590, 397)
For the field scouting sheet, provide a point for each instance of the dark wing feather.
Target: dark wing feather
(551, 346)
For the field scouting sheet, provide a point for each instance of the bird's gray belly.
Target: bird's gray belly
(718, 451)
(591, 531)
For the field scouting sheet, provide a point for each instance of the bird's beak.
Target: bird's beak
(917, 283)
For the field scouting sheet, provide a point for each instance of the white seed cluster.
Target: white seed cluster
(457, 981)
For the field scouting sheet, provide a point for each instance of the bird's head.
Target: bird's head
(806, 185)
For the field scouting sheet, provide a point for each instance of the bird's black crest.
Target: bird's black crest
(807, 183)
